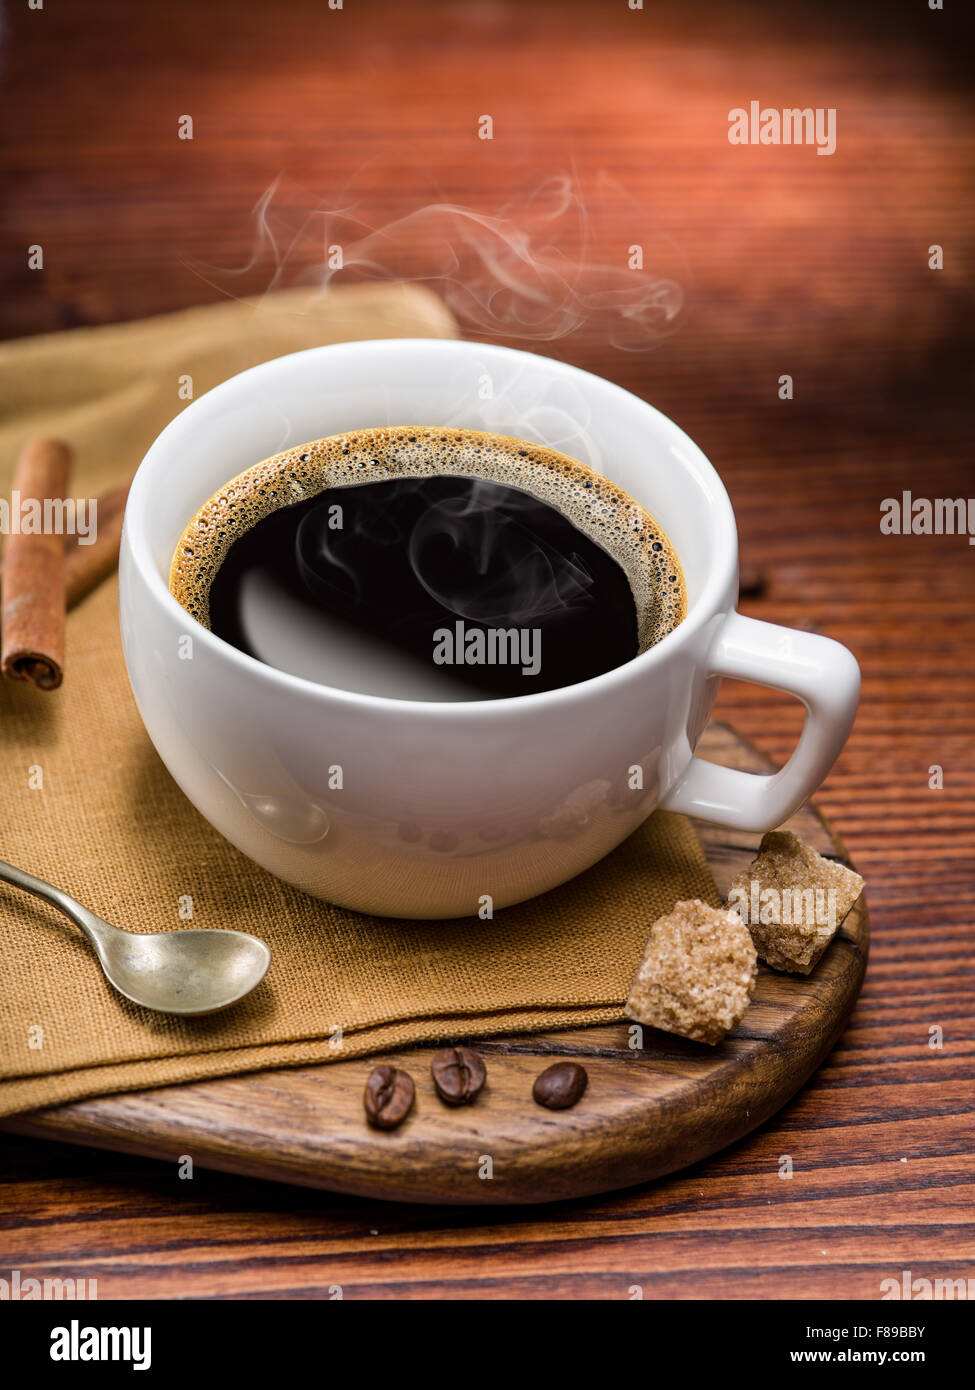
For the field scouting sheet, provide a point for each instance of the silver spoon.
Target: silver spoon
(176, 972)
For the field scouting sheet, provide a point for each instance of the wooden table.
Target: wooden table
(792, 264)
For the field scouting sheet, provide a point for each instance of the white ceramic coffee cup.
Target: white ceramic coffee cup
(412, 809)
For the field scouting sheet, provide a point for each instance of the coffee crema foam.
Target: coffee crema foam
(597, 507)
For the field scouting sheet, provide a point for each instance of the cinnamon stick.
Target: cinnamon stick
(85, 566)
(33, 609)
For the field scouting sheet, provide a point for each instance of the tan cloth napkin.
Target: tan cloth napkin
(86, 804)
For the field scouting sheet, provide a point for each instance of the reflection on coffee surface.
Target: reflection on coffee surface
(429, 563)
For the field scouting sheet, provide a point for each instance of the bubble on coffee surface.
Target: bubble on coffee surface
(512, 481)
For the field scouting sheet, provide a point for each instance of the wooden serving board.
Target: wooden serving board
(645, 1112)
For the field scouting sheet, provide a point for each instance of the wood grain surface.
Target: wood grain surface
(790, 264)
(646, 1111)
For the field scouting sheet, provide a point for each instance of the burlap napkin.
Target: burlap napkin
(87, 805)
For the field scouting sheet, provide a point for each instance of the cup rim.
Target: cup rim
(721, 571)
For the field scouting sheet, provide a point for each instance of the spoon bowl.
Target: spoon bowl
(185, 972)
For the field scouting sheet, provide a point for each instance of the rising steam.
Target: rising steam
(534, 271)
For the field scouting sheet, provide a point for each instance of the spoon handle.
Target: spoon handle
(93, 927)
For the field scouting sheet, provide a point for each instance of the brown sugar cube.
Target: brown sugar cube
(697, 973)
(792, 900)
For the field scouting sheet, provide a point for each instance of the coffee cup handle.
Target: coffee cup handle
(822, 674)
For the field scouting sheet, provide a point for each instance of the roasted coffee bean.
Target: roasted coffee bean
(458, 1074)
(389, 1097)
(560, 1086)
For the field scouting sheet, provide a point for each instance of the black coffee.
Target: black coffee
(476, 576)
(431, 564)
